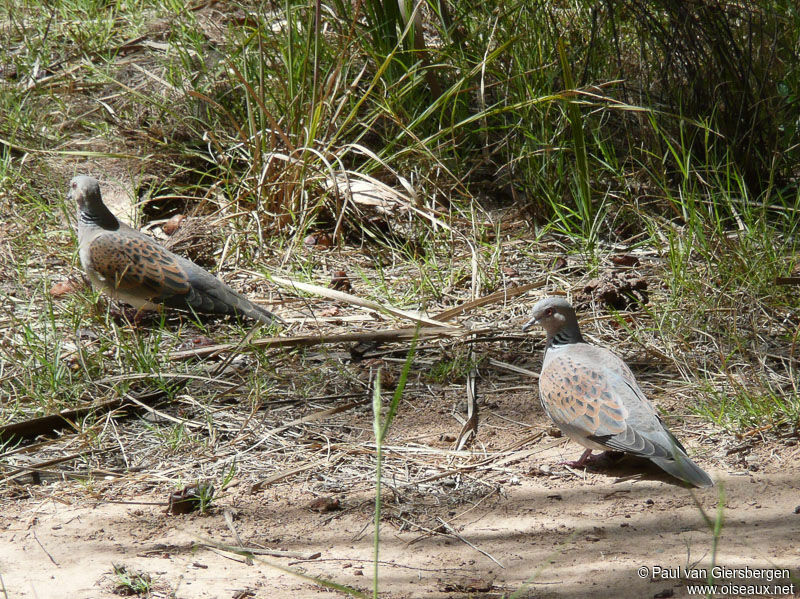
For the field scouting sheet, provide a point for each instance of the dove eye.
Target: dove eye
(548, 312)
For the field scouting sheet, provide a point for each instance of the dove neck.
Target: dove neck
(100, 216)
(565, 337)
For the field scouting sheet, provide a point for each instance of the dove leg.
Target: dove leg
(587, 459)
(133, 317)
(141, 316)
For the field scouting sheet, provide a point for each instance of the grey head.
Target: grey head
(557, 317)
(85, 191)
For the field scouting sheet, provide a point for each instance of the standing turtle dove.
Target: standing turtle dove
(134, 268)
(593, 397)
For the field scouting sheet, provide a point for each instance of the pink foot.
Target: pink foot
(132, 316)
(581, 461)
(587, 459)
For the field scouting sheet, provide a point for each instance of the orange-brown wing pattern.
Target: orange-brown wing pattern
(579, 397)
(137, 264)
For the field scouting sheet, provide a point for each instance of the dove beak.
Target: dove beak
(528, 325)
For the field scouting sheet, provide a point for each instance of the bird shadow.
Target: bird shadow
(125, 315)
(628, 467)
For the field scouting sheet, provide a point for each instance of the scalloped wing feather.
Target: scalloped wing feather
(579, 396)
(133, 264)
(599, 406)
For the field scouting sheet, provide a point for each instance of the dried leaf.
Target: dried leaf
(63, 288)
(190, 498)
(624, 260)
(172, 224)
(318, 240)
(341, 281)
(324, 504)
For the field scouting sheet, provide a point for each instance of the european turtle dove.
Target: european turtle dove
(137, 270)
(593, 397)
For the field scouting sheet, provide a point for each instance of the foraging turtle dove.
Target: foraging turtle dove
(593, 397)
(137, 270)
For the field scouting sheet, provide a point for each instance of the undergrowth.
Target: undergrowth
(439, 152)
(272, 114)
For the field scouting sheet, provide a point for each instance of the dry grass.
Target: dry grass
(405, 235)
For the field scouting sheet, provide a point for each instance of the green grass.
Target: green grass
(270, 109)
(452, 368)
(380, 427)
(512, 135)
(131, 582)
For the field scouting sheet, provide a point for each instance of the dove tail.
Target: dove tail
(256, 312)
(209, 294)
(229, 301)
(682, 467)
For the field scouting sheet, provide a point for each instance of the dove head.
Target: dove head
(557, 317)
(86, 192)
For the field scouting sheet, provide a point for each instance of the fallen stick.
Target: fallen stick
(311, 340)
(66, 418)
(356, 301)
(359, 350)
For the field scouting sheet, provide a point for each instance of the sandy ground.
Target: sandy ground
(520, 526)
(534, 530)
